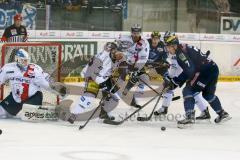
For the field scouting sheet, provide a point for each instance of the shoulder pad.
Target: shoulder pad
(183, 47)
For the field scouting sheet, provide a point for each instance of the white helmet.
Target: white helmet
(22, 58)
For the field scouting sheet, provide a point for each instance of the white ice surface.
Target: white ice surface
(131, 141)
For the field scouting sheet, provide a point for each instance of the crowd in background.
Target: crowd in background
(203, 15)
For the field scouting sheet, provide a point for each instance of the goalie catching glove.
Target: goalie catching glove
(59, 88)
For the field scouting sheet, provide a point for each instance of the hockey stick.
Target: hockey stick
(173, 99)
(99, 106)
(155, 106)
(107, 121)
(150, 116)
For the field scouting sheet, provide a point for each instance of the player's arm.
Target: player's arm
(188, 69)
(44, 81)
(3, 75)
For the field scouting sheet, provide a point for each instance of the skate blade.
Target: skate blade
(203, 121)
(224, 120)
(185, 126)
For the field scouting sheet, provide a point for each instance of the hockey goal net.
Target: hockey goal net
(46, 54)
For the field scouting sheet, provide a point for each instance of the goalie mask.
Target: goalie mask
(22, 59)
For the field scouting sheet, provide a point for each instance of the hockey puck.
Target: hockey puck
(163, 128)
(0, 131)
(141, 118)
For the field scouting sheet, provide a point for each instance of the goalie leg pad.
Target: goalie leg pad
(38, 113)
(83, 103)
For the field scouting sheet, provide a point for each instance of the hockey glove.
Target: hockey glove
(109, 86)
(134, 76)
(168, 82)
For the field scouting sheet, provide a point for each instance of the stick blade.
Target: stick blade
(81, 127)
(143, 119)
(108, 121)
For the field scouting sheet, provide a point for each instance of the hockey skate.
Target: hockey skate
(188, 121)
(222, 117)
(204, 116)
(134, 104)
(104, 115)
(162, 111)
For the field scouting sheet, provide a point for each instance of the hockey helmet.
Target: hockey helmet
(155, 34)
(110, 46)
(170, 38)
(22, 58)
(136, 28)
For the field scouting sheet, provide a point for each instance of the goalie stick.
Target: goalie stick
(107, 121)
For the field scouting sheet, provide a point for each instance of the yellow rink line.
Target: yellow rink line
(220, 79)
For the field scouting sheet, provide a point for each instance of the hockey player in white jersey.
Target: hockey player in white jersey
(98, 76)
(136, 49)
(26, 81)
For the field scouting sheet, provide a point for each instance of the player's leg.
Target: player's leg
(36, 99)
(213, 100)
(202, 104)
(139, 93)
(11, 106)
(109, 104)
(167, 98)
(189, 102)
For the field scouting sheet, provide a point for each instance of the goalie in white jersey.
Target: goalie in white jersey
(26, 80)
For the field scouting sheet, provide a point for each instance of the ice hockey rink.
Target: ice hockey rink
(132, 140)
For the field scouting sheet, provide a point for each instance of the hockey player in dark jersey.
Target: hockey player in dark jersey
(16, 32)
(200, 74)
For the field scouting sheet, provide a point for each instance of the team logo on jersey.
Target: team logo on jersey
(182, 57)
(13, 31)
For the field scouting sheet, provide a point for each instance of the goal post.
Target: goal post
(47, 55)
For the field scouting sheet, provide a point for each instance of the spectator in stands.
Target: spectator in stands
(72, 5)
(16, 32)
